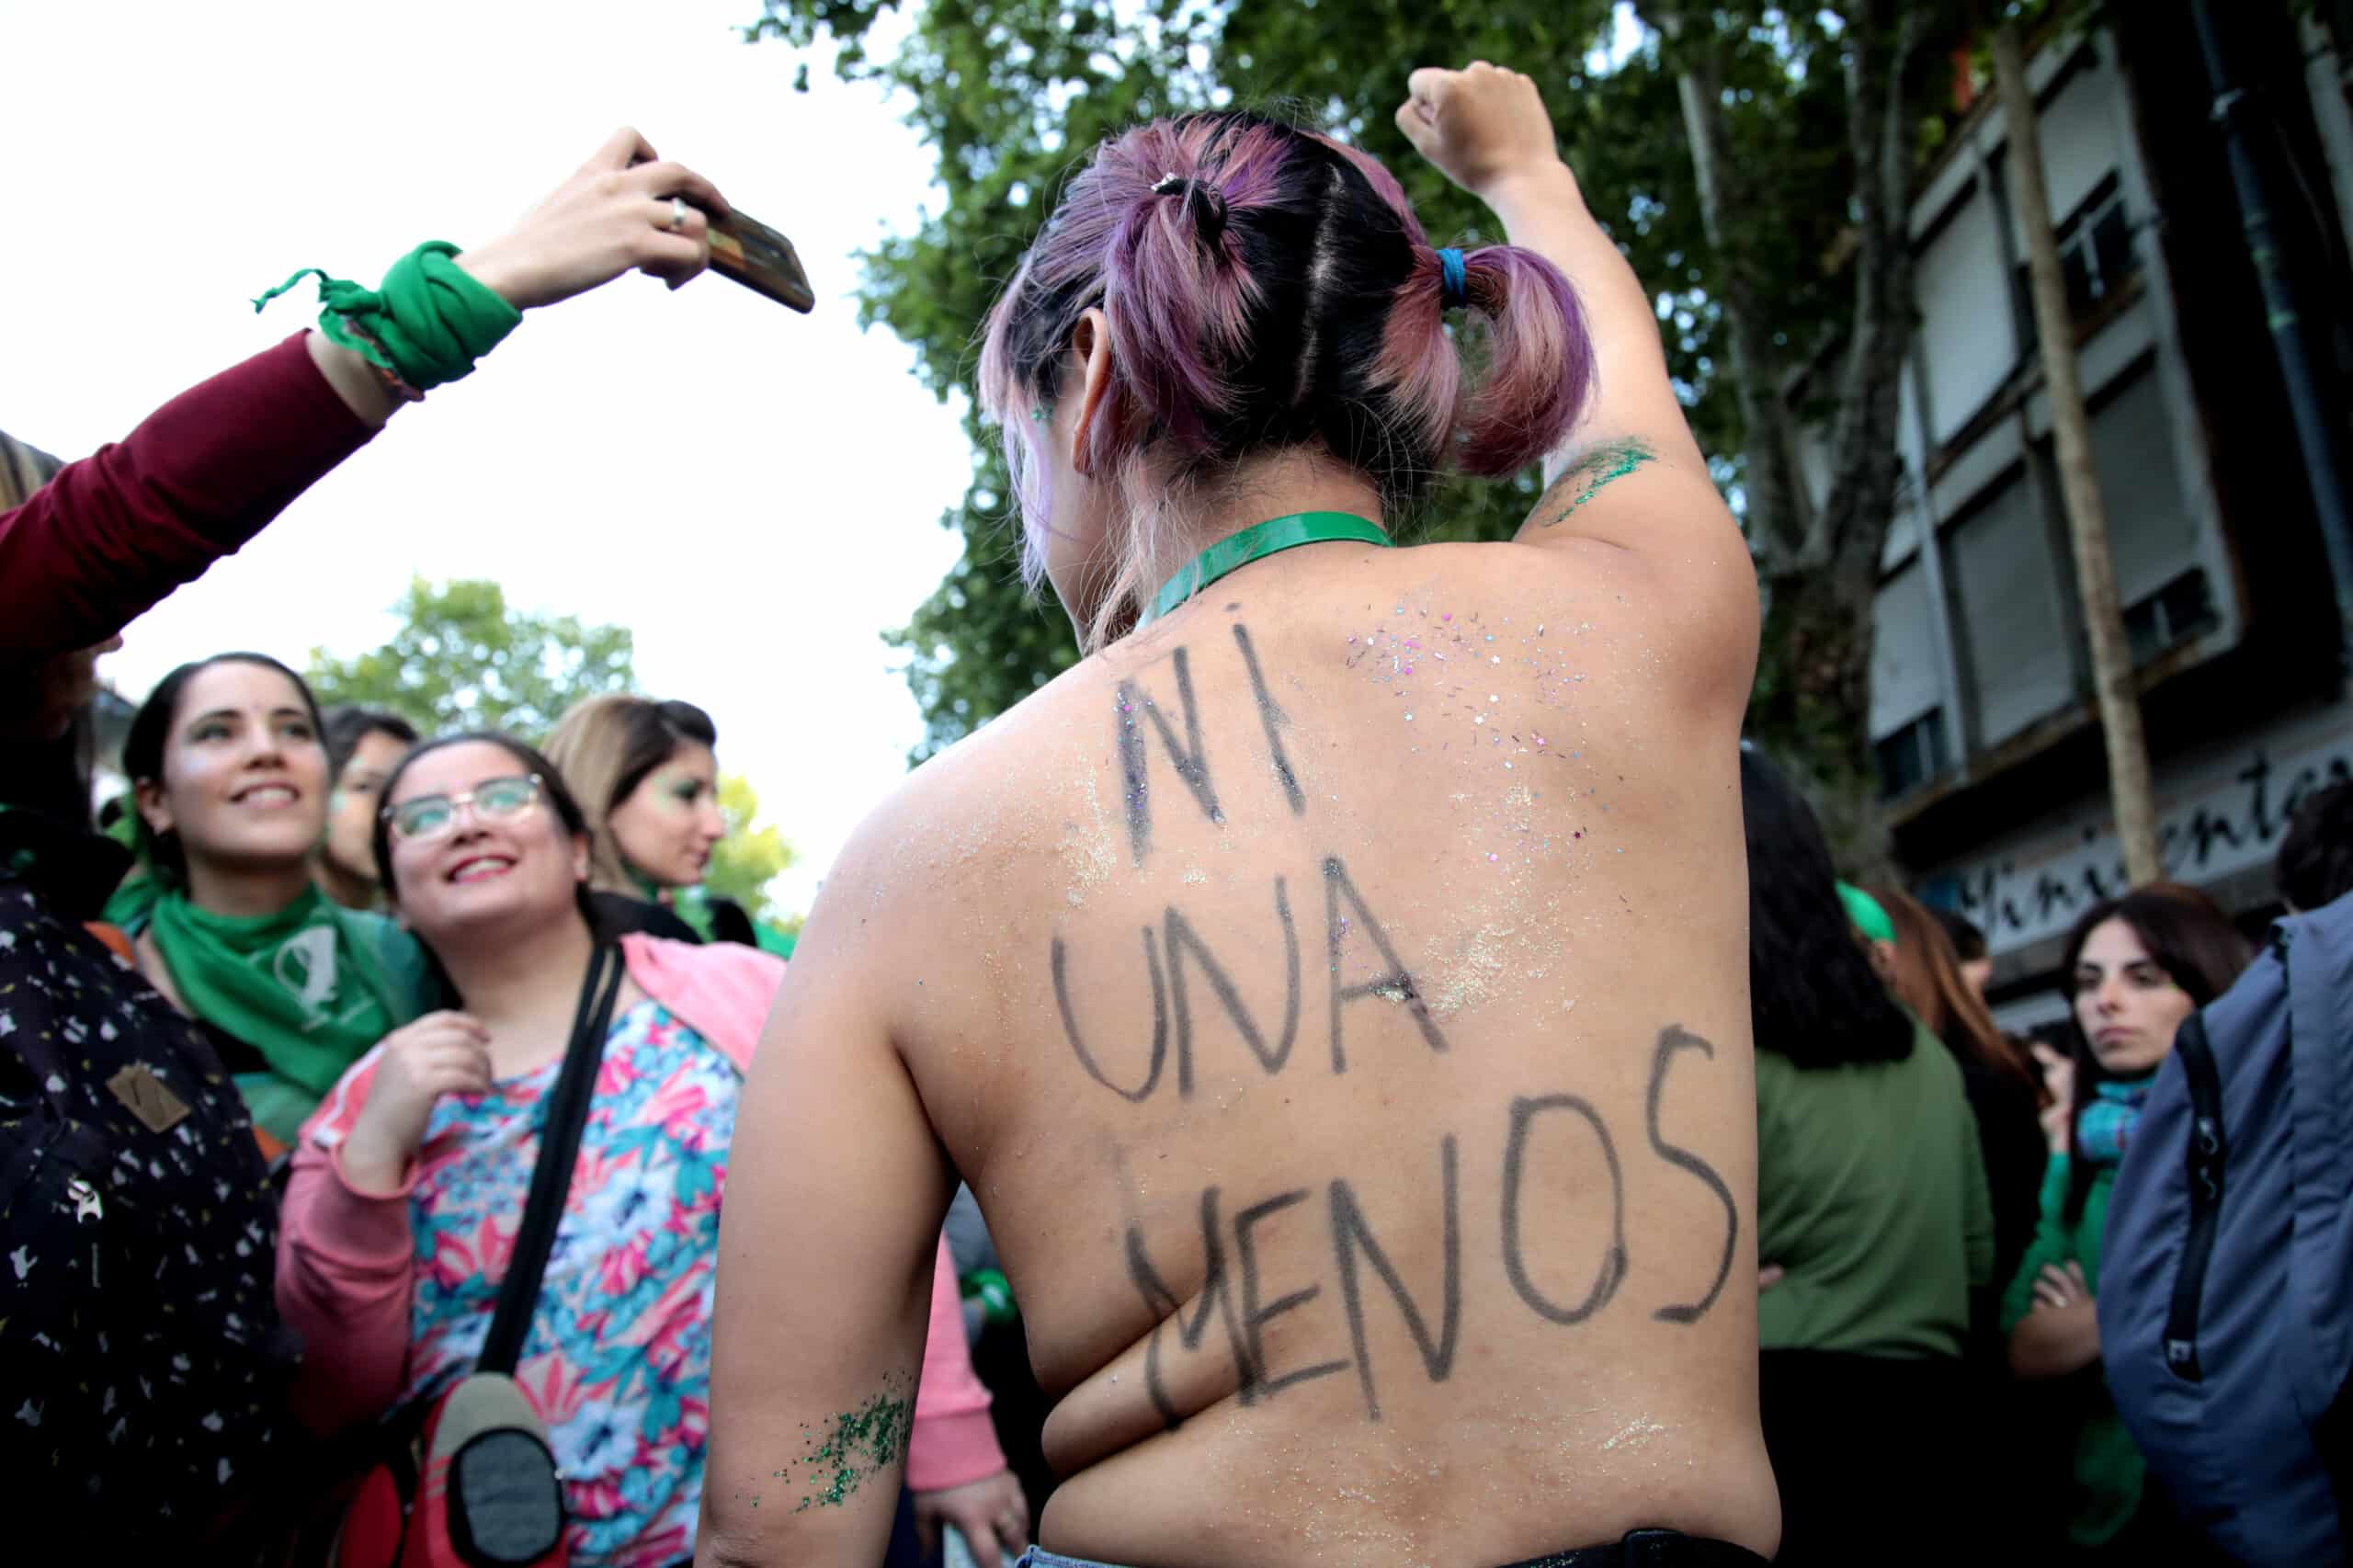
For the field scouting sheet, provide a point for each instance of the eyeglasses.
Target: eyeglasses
(493, 799)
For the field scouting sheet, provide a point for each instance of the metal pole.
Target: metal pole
(2314, 433)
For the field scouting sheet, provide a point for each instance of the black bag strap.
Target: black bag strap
(519, 1293)
(2206, 1156)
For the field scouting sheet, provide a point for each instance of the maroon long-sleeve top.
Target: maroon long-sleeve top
(114, 533)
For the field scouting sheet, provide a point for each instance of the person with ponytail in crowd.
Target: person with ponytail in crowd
(2004, 1088)
(2138, 966)
(363, 744)
(1968, 939)
(409, 1186)
(648, 775)
(143, 1357)
(229, 762)
(1872, 1220)
(1425, 1233)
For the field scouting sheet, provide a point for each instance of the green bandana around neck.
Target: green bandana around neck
(693, 906)
(308, 987)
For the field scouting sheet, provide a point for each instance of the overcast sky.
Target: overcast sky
(754, 494)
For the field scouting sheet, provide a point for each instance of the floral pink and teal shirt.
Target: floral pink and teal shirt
(619, 1357)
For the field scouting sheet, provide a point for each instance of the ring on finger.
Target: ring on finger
(678, 214)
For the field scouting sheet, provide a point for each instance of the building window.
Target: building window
(2096, 255)
(2008, 585)
(2095, 248)
(2179, 611)
(1913, 755)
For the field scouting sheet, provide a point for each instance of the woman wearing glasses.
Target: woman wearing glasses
(139, 1347)
(409, 1185)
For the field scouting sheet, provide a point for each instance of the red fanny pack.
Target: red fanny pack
(475, 1486)
(470, 1481)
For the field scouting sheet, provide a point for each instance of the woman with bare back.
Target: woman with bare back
(1334, 988)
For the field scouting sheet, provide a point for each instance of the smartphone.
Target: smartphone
(955, 1551)
(744, 249)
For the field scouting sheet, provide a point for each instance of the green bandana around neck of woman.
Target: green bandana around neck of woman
(693, 906)
(309, 987)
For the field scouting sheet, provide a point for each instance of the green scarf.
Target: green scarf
(311, 987)
(693, 906)
(427, 324)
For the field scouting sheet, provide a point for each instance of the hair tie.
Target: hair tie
(1209, 212)
(1453, 281)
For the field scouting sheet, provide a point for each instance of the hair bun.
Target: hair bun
(1202, 200)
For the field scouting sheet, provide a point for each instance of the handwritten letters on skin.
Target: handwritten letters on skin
(1193, 994)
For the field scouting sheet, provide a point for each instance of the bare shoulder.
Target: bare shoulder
(968, 825)
(1661, 534)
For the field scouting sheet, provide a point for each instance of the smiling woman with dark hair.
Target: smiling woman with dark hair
(229, 760)
(408, 1187)
(142, 1356)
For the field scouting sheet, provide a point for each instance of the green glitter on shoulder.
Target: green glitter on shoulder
(1591, 473)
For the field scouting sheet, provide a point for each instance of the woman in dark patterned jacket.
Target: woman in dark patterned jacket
(142, 1365)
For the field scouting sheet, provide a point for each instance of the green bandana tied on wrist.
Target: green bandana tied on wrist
(427, 324)
(310, 988)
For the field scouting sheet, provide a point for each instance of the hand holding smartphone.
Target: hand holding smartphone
(744, 249)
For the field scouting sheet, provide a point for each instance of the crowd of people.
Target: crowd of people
(406, 1160)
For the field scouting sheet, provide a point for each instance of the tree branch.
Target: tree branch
(1777, 507)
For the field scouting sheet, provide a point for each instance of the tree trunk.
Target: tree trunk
(2119, 701)
(1819, 565)
(1811, 706)
(1777, 503)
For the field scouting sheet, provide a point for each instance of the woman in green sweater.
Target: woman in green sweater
(2138, 966)
(1873, 1226)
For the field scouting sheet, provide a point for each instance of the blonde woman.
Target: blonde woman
(648, 777)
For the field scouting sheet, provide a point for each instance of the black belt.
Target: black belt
(1652, 1549)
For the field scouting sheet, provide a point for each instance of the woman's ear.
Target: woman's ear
(153, 808)
(579, 856)
(1090, 350)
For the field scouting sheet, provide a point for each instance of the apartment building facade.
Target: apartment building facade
(1982, 710)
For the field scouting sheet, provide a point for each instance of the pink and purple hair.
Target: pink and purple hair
(1265, 288)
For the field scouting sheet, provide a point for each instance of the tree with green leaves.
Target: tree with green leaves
(752, 854)
(1754, 161)
(461, 660)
